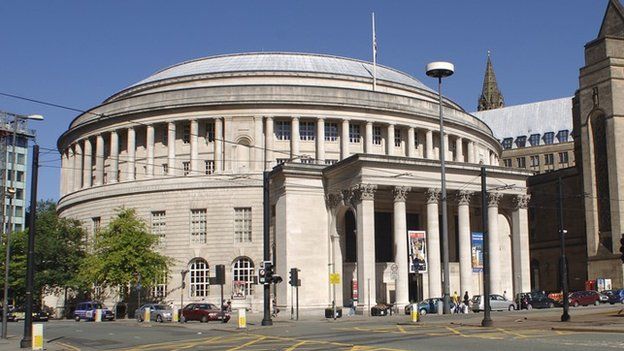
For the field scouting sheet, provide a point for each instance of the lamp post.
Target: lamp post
(182, 286)
(442, 70)
(11, 192)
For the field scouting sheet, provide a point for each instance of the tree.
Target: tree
(121, 251)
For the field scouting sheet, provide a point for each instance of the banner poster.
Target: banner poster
(417, 251)
(476, 240)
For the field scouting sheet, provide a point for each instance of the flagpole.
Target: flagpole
(374, 54)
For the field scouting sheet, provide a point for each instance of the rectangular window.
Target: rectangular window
(95, 225)
(521, 141)
(507, 142)
(186, 134)
(563, 157)
(563, 136)
(354, 133)
(535, 161)
(209, 166)
(330, 162)
(521, 162)
(198, 226)
(549, 138)
(159, 289)
(210, 132)
(549, 159)
(159, 226)
(416, 143)
(376, 135)
(187, 167)
(21, 158)
(534, 139)
(165, 137)
(507, 162)
(165, 168)
(242, 225)
(397, 138)
(19, 194)
(306, 130)
(18, 211)
(282, 130)
(331, 131)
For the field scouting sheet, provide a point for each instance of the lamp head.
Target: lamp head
(440, 69)
(35, 117)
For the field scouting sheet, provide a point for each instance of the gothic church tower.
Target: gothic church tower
(491, 96)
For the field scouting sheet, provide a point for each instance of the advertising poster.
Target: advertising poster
(417, 251)
(476, 240)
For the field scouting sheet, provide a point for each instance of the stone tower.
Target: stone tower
(599, 141)
(491, 96)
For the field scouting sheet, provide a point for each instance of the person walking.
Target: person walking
(456, 301)
(466, 302)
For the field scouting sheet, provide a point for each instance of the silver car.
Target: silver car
(158, 312)
(497, 303)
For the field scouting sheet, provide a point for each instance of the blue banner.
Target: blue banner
(476, 240)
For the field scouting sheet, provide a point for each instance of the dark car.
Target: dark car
(37, 314)
(427, 306)
(584, 298)
(614, 296)
(204, 312)
(88, 309)
(381, 309)
(534, 300)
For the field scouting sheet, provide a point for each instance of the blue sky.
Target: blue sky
(77, 53)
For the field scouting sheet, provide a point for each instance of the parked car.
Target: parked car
(381, 309)
(10, 314)
(158, 312)
(427, 306)
(497, 303)
(534, 300)
(37, 315)
(584, 298)
(614, 296)
(204, 312)
(86, 310)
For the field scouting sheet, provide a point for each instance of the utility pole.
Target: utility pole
(487, 321)
(266, 320)
(565, 317)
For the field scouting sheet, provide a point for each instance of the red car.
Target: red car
(204, 312)
(584, 298)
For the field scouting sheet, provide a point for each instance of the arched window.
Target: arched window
(242, 277)
(199, 272)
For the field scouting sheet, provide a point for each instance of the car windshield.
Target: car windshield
(98, 306)
(159, 307)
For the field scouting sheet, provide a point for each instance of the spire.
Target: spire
(613, 20)
(491, 96)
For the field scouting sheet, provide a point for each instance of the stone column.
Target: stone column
(64, 173)
(77, 172)
(320, 140)
(365, 208)
(344, 139)
(218, 146)
(429, 144)
(71, 165)
(194, 161)
(171, 146)
(390, 140)
(368, 141)
(459, 151)
(465, 250)
(471, 152)
(99, 160)
(433, 243)
(401, 246)
(114, 156)
(258, 151)
(268, 141)
(494, 245)
(131, 148)
(520, 244)
(411, 141)
(294, 139)
(447, 148)
(87, 164)
(149, 150)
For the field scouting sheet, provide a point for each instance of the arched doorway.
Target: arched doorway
(242, 154)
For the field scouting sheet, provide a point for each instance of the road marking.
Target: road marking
(517, 335)
(192, 344)
(456, 332)
(296, 345)
(73, 348)
(261, 338)
(401, 329)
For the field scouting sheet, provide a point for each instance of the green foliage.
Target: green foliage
(121, 250)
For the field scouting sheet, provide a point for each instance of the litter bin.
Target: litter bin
(329, 311)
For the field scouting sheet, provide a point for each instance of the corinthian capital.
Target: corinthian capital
(494, 198)
(522, 201)
(364, 191)
(333, 200)
(400, 192)
(432, 195)
(463, 197)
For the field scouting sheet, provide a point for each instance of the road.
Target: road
(529, 330)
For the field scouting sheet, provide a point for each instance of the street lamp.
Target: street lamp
(182, 287)
(11, 192)
(442, 70)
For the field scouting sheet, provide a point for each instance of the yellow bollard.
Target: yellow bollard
(174, 318)
(37, 336)
(242, 318)
(146, 317)
(98, 315)
(414, 314)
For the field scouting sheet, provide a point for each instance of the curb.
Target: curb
(588, 329)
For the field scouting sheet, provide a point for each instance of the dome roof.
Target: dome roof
(284, 62)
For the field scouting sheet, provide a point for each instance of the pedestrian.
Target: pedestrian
(455, 302)
(275, 309)
(466, 302)
(228, 306)
(504, 294)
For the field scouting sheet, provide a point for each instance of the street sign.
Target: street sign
(334, 278)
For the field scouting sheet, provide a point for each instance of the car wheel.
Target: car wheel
(423, 312)
(529, 307)
(551, 305)
(204, 319)
(183, 319)
(511, 308)
(576, 304)
(596, 303)
(159, 319)
(77, 318)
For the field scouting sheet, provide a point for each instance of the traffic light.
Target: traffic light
(294, 277)
(622, 248)
(265, 272)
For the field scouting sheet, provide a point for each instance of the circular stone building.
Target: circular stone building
(354, 169)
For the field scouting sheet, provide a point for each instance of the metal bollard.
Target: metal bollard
(175, 317)
(415, 314)
(242, 318)
(37, 336)
(146, 317)
(440, 307)
(98, 315)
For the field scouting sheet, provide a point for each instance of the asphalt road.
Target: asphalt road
(313, 333)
